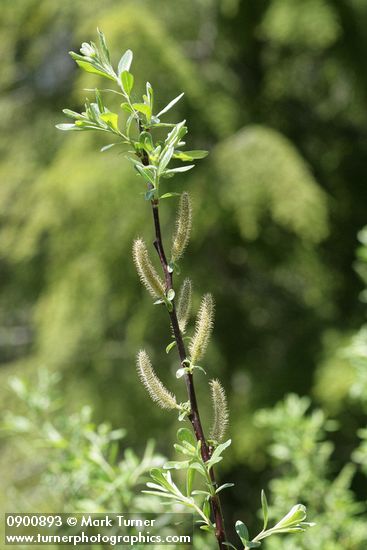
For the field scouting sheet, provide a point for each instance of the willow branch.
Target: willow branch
(194, 415)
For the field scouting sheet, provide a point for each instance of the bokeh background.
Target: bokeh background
(276, 90)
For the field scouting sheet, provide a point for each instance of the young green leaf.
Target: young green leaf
(71, 114)
(107, 147)
(217, 454)
(103, 45)
(190, 155)
(180, 169)
(144, 109)
(125, 62)
(127, 81)
(295, 516)
(206, 508)
(66, 127)
(170, 105)
(99, 101)
(165, 158)
(169, 195)
(264, 504)
(170, 346)
(90, 68)
(184, 434)
(127, 108)
(146, 141)
(183, 450)
(88, 50)
(147, 173)
(224, 486)
(198, 467)
(180, 372)
(111, 119)
(176, 465)
(242, 532)
(170, 294)
(190, 476)
(150, 95)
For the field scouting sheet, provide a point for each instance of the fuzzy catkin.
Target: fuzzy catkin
(148, 275)
(183, 227)
(157, 391)
(220, 411)
(203, 328)
(184, 305)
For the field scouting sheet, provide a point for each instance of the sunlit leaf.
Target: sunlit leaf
(127, 81)
(125, 62)
(170, 105)
(89, 68)
(111, 119)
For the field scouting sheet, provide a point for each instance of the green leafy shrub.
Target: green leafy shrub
(79, 465)
(301, 453)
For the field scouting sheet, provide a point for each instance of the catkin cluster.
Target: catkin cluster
(220, 411)
(184, 305)
(148, 275)
(203, 329)
(157, 391)
(182, 232)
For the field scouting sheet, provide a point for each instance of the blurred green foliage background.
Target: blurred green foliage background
(277, 91)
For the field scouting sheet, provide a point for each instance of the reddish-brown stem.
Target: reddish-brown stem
(194, 416)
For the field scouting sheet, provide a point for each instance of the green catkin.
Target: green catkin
(183, 227)
(146, 271)
(220, 411)
(184, 305)
(203, 328)
(157, 391)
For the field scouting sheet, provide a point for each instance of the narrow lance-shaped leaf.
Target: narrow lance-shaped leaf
(157, 391)
(67, 127)
(104, 48)
(150, 95)
(107, 147)
(170, 105)
(99, 101)
(71, 114)
(180, 169)
(165, 158)
(190, 155)
(203, 329)
(264, 505)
